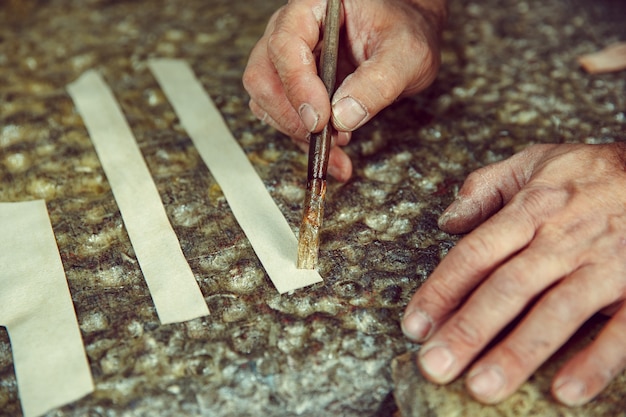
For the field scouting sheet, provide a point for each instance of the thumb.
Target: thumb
(379, 81)
(487, 190)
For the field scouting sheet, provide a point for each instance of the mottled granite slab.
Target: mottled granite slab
(509, 79)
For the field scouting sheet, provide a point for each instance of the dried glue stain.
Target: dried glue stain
(293, 193)
(377, 221)
(319, 12)
(112, 278)
(389, 172)
(306, 56)
(222, 260)
(236, 310)
(244, 279)
(93, 322)
(305, 307)
(188, 215)
(96, 243)
(43, 188)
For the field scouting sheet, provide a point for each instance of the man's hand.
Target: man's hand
(389, 48)
(550, 248)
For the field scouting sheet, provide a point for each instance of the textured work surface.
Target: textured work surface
(509, 78)
(416, 397)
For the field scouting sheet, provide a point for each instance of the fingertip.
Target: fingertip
(460, 217)
(339, 165)
(448, 215)
(349, 114)
(290, 50)
(309, 116)
(437, 363)
(487, 384)
(257, 111)
(343, 138)
(417, 325)
(570, 391)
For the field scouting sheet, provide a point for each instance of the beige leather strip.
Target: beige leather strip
(173, 287)
(269, 233)
(36, 307)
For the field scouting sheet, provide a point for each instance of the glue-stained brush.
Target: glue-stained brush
(319, 148)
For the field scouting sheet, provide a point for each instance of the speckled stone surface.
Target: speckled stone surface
(417, 397)
(509, 79)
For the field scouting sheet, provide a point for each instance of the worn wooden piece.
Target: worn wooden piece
(610, 59)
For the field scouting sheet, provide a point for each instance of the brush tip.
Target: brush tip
(309, 239)
(308, 246)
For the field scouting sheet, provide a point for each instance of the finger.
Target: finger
(591, 370)
(472, 259)
(267, 95)
(339, 163)
(386, 75)
(343, 138)
(477, 255)
(488, 189)
(290, 49)
(612, 309)
(265, 118)
(484, 192)
(551, 322)
(493, 305)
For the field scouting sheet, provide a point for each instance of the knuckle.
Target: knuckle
(385, 87)
(509, 284)
(441, 296)
(562, 305)
(475, 181)
(423, 59)
(471, 253)
(536, 149)
(250, 79)
(536, 204)
(466, 332)
(428, 59)
(516, 355)
(426, 54)
(290, 125)
(255, 82)
(256, 110)
(515, 282)
(277, 44)
(534, 199)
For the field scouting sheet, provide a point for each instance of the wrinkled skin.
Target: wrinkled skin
(547, 227)
(548, 242)
(281, 75)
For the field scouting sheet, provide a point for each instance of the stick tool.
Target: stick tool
(319, 148)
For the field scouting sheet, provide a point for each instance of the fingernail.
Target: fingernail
(437, 362)
(416, 325)
(449, 213)
(348, 114)
(486, 382)
(571, 392)
(309, 116)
